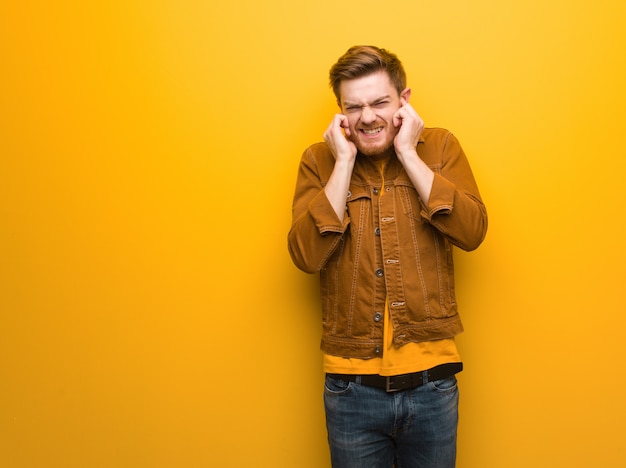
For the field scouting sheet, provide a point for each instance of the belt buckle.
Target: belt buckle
(388, 385)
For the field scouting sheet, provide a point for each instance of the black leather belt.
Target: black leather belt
(396, 383)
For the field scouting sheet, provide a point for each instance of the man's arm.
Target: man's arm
(345, 155)
(319, 206)
(451, 201)
(411, 127)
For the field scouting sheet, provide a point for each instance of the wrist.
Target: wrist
(407, 155)
(345, 158)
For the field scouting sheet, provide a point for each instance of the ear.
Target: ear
(406, 94)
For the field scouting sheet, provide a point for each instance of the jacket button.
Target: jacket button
(377, 231)
(375, 191)
(380, 272)
(377, 351)
(378, 317)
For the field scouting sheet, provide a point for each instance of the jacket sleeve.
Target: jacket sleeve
(315, 230)
(455, 207)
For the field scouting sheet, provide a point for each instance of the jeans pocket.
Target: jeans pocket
(335, 386)
(446, 385)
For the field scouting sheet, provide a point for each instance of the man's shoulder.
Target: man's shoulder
(320, 153)
(435, 133)
(434, 141)
(319, 148)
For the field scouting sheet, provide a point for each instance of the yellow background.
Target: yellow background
(149, 313)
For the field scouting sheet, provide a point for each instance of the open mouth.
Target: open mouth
(372, 131)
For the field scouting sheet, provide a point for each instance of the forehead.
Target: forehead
(366, 88)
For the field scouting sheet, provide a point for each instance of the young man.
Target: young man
(376, 211)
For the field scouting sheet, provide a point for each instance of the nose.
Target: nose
(367, 115)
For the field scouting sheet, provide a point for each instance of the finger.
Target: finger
(408, 112)
(398, 117)
(344, 123)
(409, 109)
(337, 130)
(335, 125)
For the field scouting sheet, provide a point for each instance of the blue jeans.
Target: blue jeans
(368, 427)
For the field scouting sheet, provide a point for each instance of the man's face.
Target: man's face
(370, 102)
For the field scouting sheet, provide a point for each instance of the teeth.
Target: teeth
(372, 131)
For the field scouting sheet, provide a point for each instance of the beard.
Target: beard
(377, 148)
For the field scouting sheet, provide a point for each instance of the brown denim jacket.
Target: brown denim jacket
(388, 247)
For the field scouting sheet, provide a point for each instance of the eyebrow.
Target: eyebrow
(377, 100)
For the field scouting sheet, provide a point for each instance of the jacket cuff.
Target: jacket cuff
(441, 199)
(324, 216)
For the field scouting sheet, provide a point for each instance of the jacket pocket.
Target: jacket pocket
(410, 201)
(359, 207)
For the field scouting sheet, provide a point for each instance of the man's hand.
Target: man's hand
(337, 137)
(411, 127)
